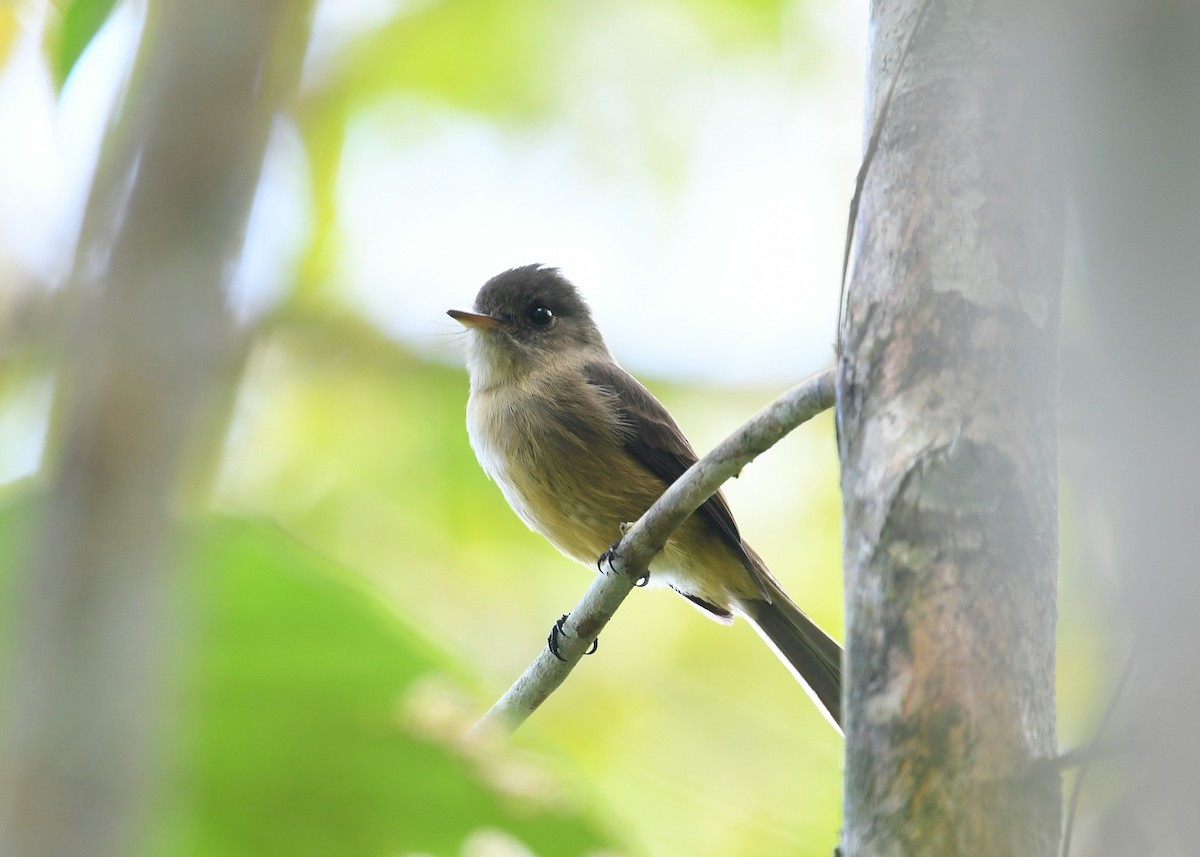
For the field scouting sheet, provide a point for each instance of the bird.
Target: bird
(579, 448)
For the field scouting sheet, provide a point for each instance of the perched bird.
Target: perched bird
(579, 447)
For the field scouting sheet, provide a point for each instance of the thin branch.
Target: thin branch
(643, 540)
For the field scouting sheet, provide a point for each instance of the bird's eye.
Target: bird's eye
(539, 315)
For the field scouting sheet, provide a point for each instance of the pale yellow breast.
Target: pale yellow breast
(553, 448)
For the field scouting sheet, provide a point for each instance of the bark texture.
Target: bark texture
(947, 429)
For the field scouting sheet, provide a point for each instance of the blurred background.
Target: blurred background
(347, 592)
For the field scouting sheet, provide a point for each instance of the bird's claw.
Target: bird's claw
(559, 630)
(607, 558)
(555, 631)
(609, 555)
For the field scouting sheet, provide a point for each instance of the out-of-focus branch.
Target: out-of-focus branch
(1127, 110)
(148, 339)
(646, 538)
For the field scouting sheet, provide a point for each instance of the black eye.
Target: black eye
(539, 315)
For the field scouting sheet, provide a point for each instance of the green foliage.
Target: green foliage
(310, 726)
(70, 32)
(493, 58)
(742, 24)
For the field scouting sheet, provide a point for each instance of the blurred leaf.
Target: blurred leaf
(315, 719)
(69, 33)
(9, 27)
(739, 24)
(494, 58)
(303, 741)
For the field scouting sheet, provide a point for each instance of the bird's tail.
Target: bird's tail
(809, 652)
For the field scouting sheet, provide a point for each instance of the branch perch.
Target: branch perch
(644, 539)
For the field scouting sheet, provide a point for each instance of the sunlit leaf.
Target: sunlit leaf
(69, 34)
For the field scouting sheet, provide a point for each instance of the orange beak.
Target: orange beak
(473, 319)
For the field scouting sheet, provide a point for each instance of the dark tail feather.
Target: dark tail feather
(810, 652)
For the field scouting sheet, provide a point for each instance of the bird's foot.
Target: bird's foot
(606, 558)
(557, 631)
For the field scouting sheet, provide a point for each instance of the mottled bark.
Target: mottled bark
(947, 429)
(150, 337)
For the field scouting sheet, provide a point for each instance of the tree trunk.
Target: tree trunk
(947, 431)
(150, 340)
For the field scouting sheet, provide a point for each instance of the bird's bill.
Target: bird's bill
(473, 319)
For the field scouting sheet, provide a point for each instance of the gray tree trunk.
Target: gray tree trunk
(947, 385)
(149, 341)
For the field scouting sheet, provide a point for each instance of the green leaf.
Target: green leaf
(303, 743)
(77, 25)
(302, 731)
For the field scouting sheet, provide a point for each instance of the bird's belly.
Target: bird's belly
(574, 491)
(576, 486)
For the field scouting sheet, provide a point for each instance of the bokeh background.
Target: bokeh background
(353, 591)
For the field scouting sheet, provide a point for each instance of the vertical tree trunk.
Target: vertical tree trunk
(164, 227)
(947, 431)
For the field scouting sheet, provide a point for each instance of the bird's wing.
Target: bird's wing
(651, 436)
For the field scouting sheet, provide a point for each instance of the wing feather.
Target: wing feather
(651, 436)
